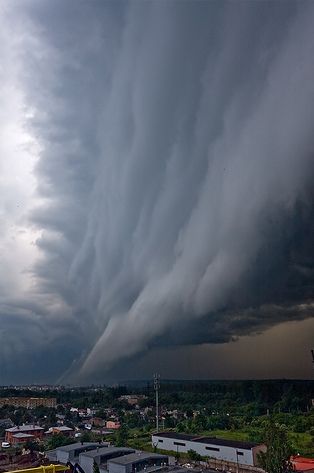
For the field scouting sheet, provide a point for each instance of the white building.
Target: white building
(244, 453)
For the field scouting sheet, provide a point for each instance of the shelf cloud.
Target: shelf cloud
(170, 193)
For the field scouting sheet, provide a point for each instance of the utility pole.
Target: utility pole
(156, 388)
(237, 453)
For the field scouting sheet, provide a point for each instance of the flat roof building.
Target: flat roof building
(70, 453)
(244, 453)
(101, 456)
(28, 402)
(136, 462)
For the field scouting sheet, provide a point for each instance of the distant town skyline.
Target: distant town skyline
(156, 183)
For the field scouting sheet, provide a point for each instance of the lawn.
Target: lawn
(302, 443)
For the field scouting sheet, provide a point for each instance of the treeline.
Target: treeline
(233, 397)
(298, 423)
(241, 397)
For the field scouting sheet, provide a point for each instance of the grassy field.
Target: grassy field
(302, 443)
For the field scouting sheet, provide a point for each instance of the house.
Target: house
(27, 429)
(132, 400)
(60, 429)
(6, 423)
(97, 422)
(113, 424)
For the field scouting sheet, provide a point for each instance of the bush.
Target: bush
(194, 456)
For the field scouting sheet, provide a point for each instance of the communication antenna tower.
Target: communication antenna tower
(156, 388)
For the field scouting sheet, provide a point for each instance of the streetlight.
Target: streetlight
(156, 388)
(177, 455)
(237, 453)
(155, 445)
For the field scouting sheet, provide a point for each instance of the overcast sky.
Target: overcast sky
(156, 183)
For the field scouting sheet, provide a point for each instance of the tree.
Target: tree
(194, 456)
(276, 458)
(31, 445)
(86, 437)
(122, 436)
(101, 413)
(180, 427)
(58, 440)
(95, 467)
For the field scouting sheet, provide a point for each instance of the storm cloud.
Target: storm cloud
(172, 202)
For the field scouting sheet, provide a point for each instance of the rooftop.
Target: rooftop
(62, 428)
(190, 470)
(78, 445)
(226, 443)
(106, 451)
(52, 455)
(24, 428)
(135, 457)
(21, 435)
(208, 440)
(302, 464)
(175, 435)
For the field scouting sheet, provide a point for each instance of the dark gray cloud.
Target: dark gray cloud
(174, 199)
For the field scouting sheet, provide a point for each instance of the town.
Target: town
(214, 426)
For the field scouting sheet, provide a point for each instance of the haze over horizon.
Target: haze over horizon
(157, 197)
